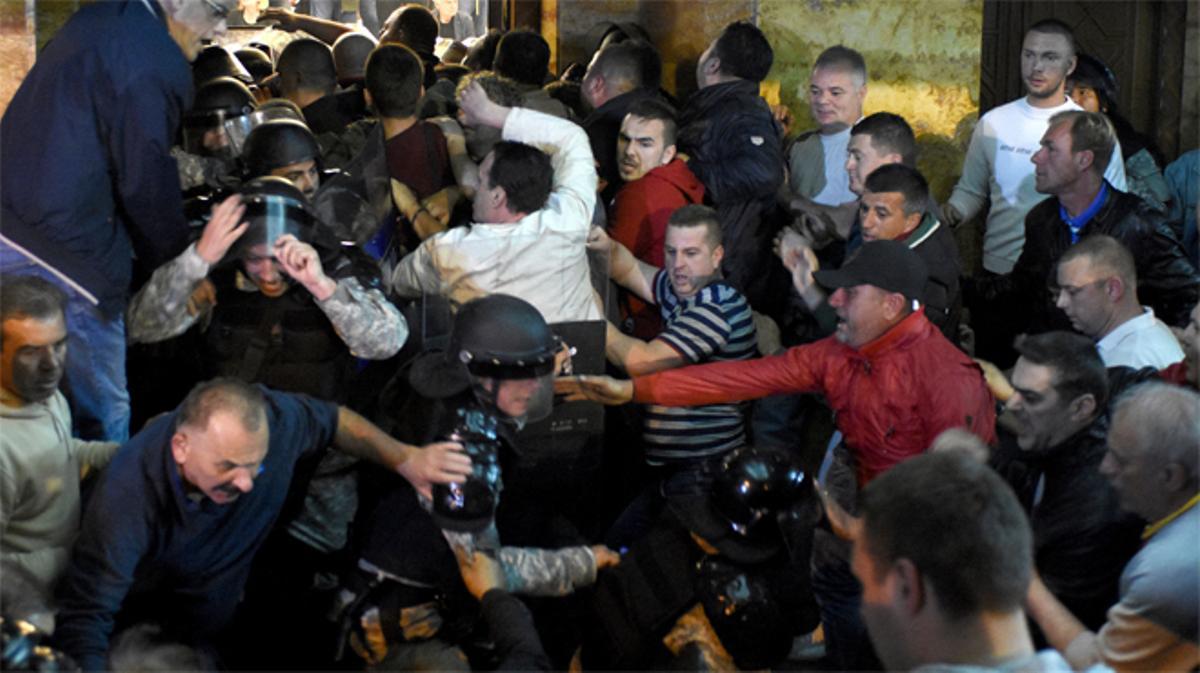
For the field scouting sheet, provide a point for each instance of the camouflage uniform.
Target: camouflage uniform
(371, 326)
(197, 171)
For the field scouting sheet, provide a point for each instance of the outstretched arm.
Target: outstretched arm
(422, 466)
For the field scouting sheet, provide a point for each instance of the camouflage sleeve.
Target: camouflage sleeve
(369, 324)
(195, 170)
(547, 572)
(159, 310)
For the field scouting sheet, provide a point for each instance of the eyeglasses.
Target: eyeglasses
(219, 12)
(1057, 290)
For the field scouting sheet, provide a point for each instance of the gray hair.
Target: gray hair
(1165, 420)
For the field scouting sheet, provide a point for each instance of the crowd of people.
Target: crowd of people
(307, 348)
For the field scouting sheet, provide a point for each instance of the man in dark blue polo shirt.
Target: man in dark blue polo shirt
(180, 512)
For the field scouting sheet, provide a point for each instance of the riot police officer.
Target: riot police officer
(494, 375)
(284, 148)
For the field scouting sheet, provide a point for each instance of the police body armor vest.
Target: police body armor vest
(285, 342)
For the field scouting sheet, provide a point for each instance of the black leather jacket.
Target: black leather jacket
(1166, 280)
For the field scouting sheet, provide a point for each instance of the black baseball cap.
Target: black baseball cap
(888, 265)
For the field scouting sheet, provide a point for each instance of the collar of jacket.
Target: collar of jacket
(709, 96)
(1080, 448)
(914, 327)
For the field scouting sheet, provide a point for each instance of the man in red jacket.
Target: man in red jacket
(893, 381)
(657, 183)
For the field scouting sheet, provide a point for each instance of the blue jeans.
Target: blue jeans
(94, 381)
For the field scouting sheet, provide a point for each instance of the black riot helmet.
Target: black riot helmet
(509, 353)
(217, 102)
(739, 516)
(503, 337)
(501, 348)
(278, 143)
(215, 61)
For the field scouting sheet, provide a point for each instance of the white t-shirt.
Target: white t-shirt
(1144, 341)
(837, 180)
(999, 168)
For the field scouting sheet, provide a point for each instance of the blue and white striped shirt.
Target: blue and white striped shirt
(714, 325)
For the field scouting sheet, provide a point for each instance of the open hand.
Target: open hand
(437, 463)
(225, 226)
(602, 389)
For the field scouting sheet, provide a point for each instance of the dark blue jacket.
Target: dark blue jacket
(148, 552)
(86, 179)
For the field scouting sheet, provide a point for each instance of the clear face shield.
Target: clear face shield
(271, 216)
(204, 134)
(237, 129)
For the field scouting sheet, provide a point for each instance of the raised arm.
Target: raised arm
(161, 309)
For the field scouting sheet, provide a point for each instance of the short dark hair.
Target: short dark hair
(1078, 369)
(415, 27)
(635, 64)
(905, 180)
(525, 173)
(890, 134)
(30, 297)
(959, 523)
(306, 64)
(394, 75)
(482, 54)
(1091, 72)
(1055, 27)
(744, 51)
(841, 57)
(524, 56)
(1107, 253)
(223, 394)
(699, 215)
(654, 108)
(350, 52)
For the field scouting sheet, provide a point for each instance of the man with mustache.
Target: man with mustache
(186, 504)
(39, 460)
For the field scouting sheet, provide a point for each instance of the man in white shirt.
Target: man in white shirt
(532, 214)
(997, 167)
(1097, 289)
(817, 161)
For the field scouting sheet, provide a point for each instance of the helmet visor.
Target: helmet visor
(238, 129)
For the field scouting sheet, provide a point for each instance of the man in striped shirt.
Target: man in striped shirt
(706, 320)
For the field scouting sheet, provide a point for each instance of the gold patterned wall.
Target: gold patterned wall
(922, 61)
